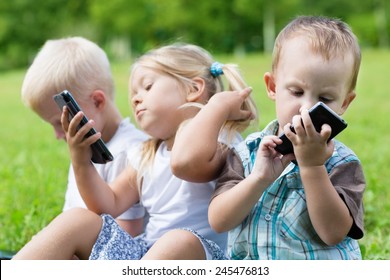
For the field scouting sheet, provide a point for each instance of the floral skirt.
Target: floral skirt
(113, 243)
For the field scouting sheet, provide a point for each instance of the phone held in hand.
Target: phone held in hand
(100, 152)
(320, 114)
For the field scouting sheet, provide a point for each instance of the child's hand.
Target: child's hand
(79, 146)
(269, 162)
(310, 147)
(231, 102)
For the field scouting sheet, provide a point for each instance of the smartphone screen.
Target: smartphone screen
(100, 152)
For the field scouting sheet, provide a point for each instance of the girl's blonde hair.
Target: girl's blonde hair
(328, 36)
(73, 63)
(184, 62)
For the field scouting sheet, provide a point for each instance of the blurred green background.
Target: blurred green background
(34, 166)
(126, 27)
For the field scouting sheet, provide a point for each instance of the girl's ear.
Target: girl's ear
(197, 90)
(99, 99)
(270, 85)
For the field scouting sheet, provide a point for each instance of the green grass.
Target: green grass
(34, 166)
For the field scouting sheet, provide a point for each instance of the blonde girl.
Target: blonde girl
(164, 85)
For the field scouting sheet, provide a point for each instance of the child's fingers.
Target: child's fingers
(92, 139)
(65, 119)
(82, 132)
(245, 92)
(298, 126)
(271, 141)
(308, 123)
(246, 115)
(74, 123)
(289, 133)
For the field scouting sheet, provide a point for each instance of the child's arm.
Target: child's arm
(196, 155)
(96, 193)
(230, 208)
(328, 212)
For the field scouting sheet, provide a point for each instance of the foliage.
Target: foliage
(25, 25)
(127, 27)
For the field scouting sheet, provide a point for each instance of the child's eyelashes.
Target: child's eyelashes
(325, 99)
(145, 87)
(148, 86)
(296, 92)
(300, 93)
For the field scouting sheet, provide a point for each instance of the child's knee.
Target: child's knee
(78, 218)
(181, 239)
(177, 244)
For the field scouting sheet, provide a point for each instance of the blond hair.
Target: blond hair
(328, 36)
(185, 62)
(74, 63)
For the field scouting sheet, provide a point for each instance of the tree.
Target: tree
(121, 26)
(382, 24)
(25, 25)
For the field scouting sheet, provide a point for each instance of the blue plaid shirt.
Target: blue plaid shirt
(279, 227)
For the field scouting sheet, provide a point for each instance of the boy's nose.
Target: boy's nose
(306, 105)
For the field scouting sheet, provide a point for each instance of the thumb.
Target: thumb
(326, 131)
(247, 115)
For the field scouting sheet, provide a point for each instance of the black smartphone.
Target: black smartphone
(100, 152)
(320, 114)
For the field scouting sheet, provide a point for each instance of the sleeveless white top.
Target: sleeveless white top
(173, 203)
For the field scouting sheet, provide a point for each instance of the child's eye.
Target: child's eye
(324, 99)
(296, 92)
(148, 87)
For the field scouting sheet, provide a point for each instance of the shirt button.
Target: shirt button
(267, 217)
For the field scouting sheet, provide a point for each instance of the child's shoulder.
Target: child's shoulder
(341, 154)
(343, 150)
(250, 143)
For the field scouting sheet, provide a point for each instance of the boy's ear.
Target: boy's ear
(270, 85)
(348, 99)
(99, 99)
(197, 90)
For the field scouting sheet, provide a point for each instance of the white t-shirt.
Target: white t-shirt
(173, 203)
(126, 138)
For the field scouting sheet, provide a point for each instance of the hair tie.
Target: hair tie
(216, 69)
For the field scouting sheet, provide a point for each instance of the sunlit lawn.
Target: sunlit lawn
(34, 166)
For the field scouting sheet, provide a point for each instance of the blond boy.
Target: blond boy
(82, 67)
